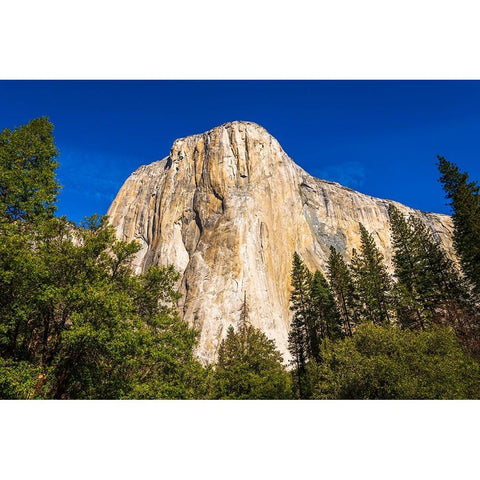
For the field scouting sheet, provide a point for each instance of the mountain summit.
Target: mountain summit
(228, 208)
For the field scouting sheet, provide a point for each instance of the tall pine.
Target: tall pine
(249, 367)
(299, 343)
(465, 202)
(324, 311)
(372, 281)
(343, 289)
(410, 298)
(443, 283)
(429, 288)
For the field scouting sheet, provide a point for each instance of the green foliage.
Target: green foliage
(429, 288)
(410, 304)
(75, 322)
(249, 367)
(389, 363)
(298, 348)
(343, 289)
(299, 336)
(28, 186)
(17, 379)
(465, 201)
(325, 312)
(298, 339)
(73, 309)
(301, 280)
(372, 282)
(315, 317)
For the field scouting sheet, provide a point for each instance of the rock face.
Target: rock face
(229, 208)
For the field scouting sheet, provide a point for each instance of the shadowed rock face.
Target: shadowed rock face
(229, 208)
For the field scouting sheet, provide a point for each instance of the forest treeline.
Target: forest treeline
(77, 323)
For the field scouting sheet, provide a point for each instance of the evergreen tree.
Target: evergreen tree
(443, 284)
(429, 288)
(249, 367)
(245, 311)
(372, 281)
(342, 286)
(465, 201)
(325, 312)
(301, 281)
(300, 336)
(449, 293)
(297, 346)
(410, 297)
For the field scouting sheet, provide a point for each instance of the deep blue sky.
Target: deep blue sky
(378, 137)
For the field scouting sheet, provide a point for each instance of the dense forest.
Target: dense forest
(77, 323)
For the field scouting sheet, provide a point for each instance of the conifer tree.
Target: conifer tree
(297, 346)
(249, 367)
(372, 281)
(429, 289)
(442, 280)
(301, 280)
(446, 290)
(315, 318)
(299, 343)
(325, 311)
(464, 197)
(244, 313)
(409, 294)
(342, 286)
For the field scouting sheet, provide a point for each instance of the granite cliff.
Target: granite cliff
(228, 208)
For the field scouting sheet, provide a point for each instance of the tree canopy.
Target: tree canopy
(372, 282)
(249, 367)
(385, 362)
(28, 184)
(75, 322)
(464, 199)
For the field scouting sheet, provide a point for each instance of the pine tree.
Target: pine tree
(249, 367)
(343, 289)
(442, 281)
(297, 346)
(429, 288)
(325, 311)
(244, 313)
(448, 291)
(300, 335)
(408, 291)
(315, 318)
(301, 280)
(372, 281)
(464, 197)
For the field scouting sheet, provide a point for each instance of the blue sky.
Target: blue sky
(378, 137)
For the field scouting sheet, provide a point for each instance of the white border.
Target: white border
(247, 39)
(239, 440)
